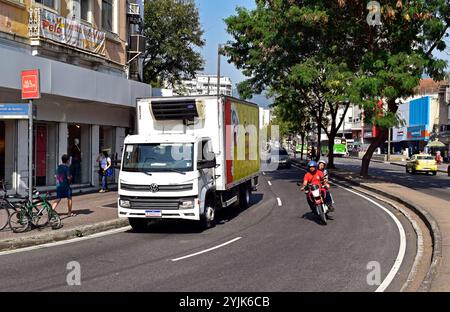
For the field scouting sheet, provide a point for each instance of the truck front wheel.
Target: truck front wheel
(207, 219)
(138, 224)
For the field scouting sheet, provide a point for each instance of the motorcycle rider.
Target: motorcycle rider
(322, 165)
(314, 176)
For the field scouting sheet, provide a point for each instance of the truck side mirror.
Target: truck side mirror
(204, 163)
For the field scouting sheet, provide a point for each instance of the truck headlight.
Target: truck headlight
(186, 204)
(125, 203)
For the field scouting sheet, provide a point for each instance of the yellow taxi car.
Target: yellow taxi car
(421, 163)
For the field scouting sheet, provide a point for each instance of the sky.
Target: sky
(212, 15)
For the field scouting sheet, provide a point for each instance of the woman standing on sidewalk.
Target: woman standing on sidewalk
(63, 189)
(105, 170)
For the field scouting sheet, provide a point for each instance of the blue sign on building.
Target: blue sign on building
(14, 111)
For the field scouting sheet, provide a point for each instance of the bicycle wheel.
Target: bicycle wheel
(4, 217)
(19, 221)
(41, 215)
(55, 221)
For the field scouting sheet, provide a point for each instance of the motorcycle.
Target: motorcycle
(314, 194)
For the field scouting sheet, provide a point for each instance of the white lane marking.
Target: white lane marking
(73, 240)
(279, 202)
(268, 182)
(402, 249)
(207, 250)
(264, 173)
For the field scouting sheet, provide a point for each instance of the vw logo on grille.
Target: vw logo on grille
(154, 187)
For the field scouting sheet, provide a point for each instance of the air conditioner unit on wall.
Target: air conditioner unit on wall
(137, 44)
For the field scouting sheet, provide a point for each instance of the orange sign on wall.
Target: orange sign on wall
(30, 84)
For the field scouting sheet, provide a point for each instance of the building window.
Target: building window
(47, 3)
(84, 9)
(350, 119)
(107, 15)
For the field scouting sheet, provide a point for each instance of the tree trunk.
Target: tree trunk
(331, 136)
(330, 164)
(380, 139)
(303, 144)
(392, 107)
(319, 134)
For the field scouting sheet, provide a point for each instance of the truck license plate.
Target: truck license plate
(153, 213)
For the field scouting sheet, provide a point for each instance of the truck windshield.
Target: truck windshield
(158, 157)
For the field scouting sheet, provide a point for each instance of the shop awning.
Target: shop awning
(435, 143)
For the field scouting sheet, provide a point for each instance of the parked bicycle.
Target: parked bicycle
(35, 213)
(7, 205)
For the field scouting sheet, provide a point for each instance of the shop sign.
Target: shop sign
(14, 111)
(71, 32)
(418, 133)
(30, 84)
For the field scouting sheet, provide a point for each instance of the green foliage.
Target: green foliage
(324, 50)
(172, 31)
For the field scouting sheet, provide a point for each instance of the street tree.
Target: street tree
(386, 51)
(292, 118)
(172, 32)
(390, 56)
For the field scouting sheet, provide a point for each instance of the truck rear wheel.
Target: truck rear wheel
(138, 224)
(244, 197)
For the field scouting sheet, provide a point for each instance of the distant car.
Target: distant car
(281, 157)
(421, 163)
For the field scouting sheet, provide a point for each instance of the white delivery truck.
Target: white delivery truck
(191, 157)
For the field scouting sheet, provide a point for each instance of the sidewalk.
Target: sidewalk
(441, 167)
(433, 211)
(95, 212)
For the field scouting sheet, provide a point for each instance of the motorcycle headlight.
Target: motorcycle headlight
(186, 204)
(124, 203)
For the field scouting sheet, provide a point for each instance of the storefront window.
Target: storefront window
(78, 149)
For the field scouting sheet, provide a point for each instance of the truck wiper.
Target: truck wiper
(147, 173)
(175, 170)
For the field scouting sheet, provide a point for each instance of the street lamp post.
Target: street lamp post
(389, 144)
(219, 52)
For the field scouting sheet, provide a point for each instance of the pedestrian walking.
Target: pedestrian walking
(105, 170)
(63, 189)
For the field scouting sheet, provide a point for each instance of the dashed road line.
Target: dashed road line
(279, 202)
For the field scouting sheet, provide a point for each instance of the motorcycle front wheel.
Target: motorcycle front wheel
(322, 215)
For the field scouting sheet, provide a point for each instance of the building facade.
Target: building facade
(420, 117)
(82, 49)
(205, 85)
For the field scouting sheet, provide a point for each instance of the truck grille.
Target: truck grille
(162, 188)
(163, 203)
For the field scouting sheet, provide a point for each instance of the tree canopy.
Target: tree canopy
(172, 31)
(328, 50)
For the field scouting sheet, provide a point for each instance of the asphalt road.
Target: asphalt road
(272, 247)
(438, 186)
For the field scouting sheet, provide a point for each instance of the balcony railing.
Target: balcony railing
(46, 25)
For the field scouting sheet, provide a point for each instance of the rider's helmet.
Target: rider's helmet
(322, 162)
(312, 163)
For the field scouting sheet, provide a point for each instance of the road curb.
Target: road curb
(424, 215)
(61, 234)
